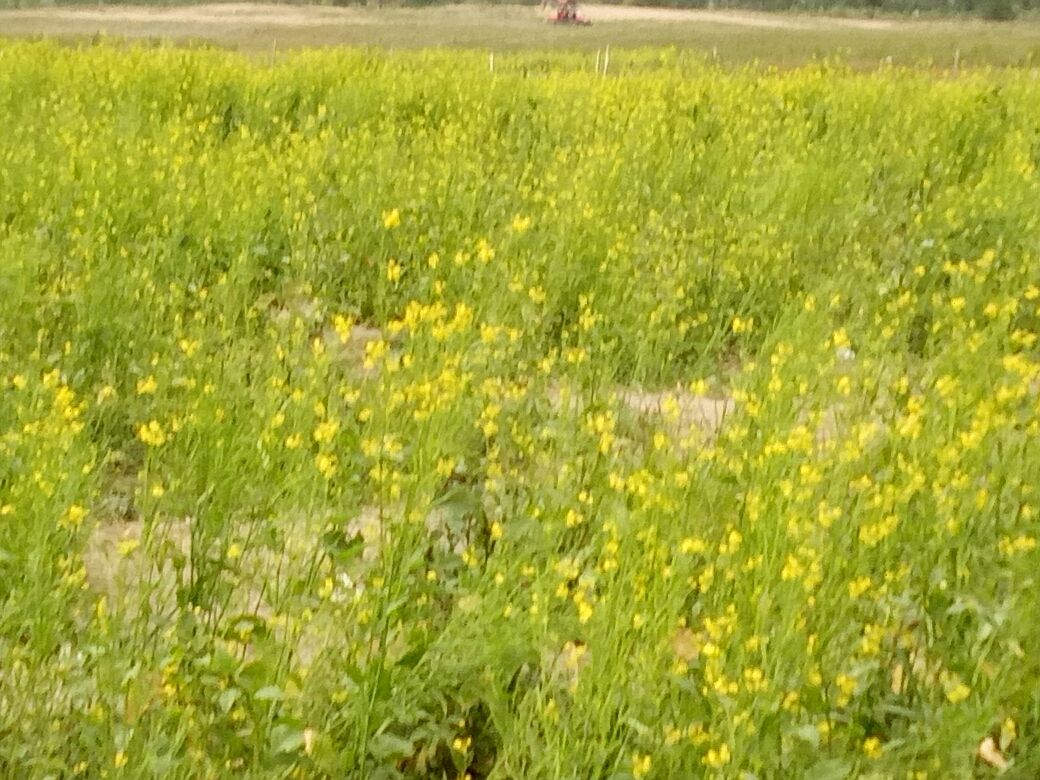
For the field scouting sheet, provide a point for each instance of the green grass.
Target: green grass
(375, 415)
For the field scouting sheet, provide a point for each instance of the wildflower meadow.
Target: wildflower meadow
(400, 415)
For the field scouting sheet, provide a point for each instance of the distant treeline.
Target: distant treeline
(986, 9)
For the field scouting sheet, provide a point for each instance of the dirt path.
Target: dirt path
(619, 13)
(236, 15)
(231, 14)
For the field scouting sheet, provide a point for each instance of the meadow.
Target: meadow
(386, 415)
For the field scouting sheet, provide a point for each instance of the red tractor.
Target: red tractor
(567, 13)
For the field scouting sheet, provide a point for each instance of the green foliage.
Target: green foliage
(377, 415)
(998, 10)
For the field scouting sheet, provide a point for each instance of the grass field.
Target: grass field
(379, 415)
(730, 37)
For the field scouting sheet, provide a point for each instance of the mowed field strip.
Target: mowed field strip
(729, 36)
(316, 16)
